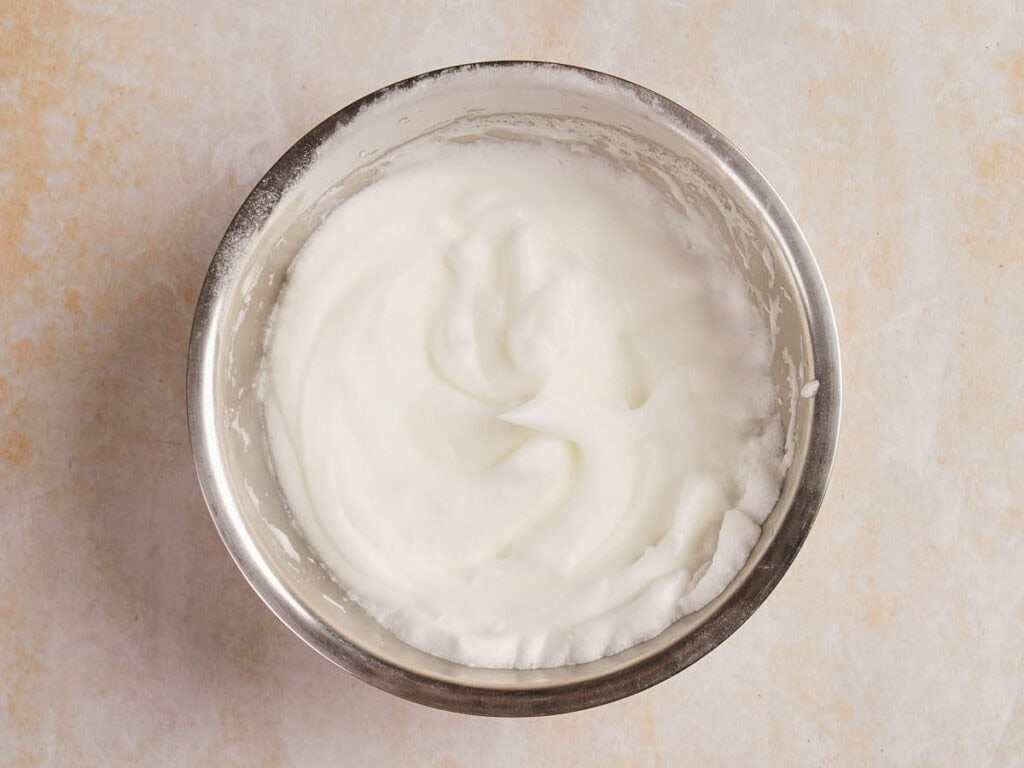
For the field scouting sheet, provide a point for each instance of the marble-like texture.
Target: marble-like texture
(130, 132)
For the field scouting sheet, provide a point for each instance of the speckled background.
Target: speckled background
(130, 133)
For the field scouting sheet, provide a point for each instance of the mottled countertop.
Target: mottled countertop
(130, 133)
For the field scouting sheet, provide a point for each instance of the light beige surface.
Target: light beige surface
(129, 133)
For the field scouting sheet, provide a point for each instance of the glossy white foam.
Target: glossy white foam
(519, 408)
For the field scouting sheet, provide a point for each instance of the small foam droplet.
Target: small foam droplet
(809, 389)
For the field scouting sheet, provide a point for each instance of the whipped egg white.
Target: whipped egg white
(520, 407)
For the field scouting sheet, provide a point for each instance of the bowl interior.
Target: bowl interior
(690, 163)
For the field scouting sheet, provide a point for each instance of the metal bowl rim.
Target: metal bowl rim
(442, 694)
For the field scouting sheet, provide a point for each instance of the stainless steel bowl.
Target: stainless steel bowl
(507, 101)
